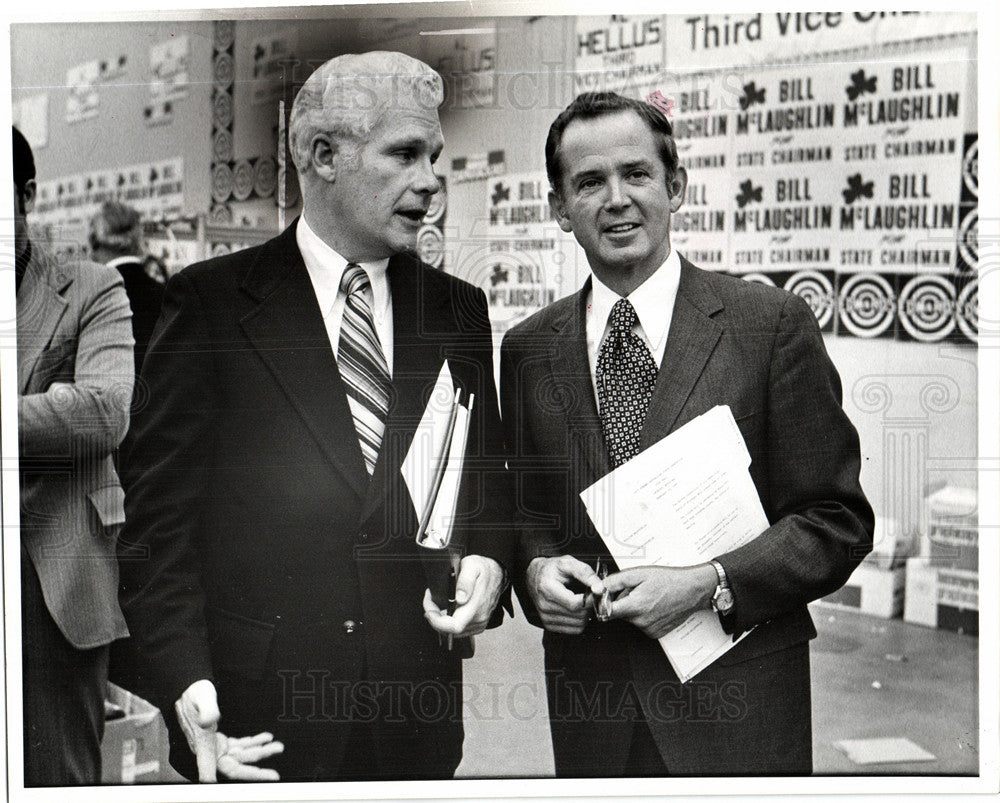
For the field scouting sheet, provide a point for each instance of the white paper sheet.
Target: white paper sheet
(683, 501)
(427, 448)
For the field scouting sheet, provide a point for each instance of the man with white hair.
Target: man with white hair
(269, 560)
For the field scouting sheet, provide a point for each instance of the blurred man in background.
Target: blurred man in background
(74, 376)
(116, 240)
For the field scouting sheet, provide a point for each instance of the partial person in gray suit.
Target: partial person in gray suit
(74, 376)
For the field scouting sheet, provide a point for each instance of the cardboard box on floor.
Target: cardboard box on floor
(134, 749)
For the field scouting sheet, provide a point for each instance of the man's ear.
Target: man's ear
(323, 155)
(558, 210)
(677, 187)
(29, 194)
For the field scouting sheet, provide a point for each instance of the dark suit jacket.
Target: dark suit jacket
(145, 295)
(760, 351)
(257, 552)
(74, 377)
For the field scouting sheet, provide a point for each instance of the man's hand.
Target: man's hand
(236, 757)
(658, 598)
(198, 712)
(562, 610)
(477, 592)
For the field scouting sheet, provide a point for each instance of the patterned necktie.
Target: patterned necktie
(362, 364)
(626, 374)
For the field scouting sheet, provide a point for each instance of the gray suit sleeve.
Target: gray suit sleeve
(88, 411)
(821, 522)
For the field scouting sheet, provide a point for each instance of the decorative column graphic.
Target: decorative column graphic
(906, 405)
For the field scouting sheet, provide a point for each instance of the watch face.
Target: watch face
(723, 600)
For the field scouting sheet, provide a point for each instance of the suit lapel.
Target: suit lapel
(692, 337)
(40, 306)
(570, 371)
(287, 330)
(416, 363)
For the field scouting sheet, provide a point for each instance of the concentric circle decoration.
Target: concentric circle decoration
(288, 188)
(265, 176)
(439, 201)
(222, 110)
(222, 70)
(760, 278)
(968, 238)
(927, 308)
(222, 183)
(967, 311)
(817, 290)
(223, 34)
(430, 245)
(220, 215)
(222, 145)
(242, 180)
(970, 168)
(867, 305)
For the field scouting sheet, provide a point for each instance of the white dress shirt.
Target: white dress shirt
(326, 269)
(653, 302)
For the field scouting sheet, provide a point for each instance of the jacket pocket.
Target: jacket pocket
(238, 643)
(109, 503)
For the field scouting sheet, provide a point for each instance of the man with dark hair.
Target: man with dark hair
(116, 241)
(74, 376)
(649, 343)
(270, 571)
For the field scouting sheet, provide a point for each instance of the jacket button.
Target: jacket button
(350, 626)
(364, 536)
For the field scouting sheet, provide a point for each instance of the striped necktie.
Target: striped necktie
(362, 364)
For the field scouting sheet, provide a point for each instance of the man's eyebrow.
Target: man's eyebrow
(414, 142)
(576, 175)
(637, 163)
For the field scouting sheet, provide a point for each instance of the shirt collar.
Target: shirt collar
(653, 300)
(125, 260)
(326, 267)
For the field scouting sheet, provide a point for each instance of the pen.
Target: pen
(602, 602)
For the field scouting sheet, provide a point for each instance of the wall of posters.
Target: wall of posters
(841, 181)
(617, 53)
(466, 59)
(64, 206)
(83, 99)
(700, 40)
(518, 254)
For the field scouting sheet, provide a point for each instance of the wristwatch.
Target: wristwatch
(722, 600)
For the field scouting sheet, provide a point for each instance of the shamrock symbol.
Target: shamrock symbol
(751, 95)
(860, 84)
(856, 187)
(498, 276)
(748, 193)
(500, 193)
